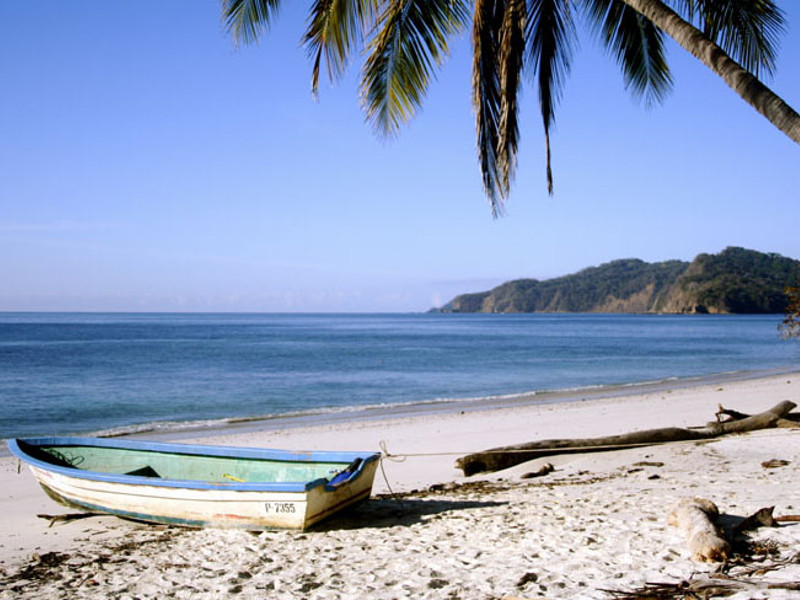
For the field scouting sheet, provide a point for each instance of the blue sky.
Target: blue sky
(146, 164)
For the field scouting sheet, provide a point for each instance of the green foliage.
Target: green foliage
(410, 41)
(742, 281)
(638, 46)
(334, 30)
(514, 42)
(246, 19)
(586, 291)
(748, 30)
(734, 281)
(791, 323)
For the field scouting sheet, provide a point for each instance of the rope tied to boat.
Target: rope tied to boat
(386, 455)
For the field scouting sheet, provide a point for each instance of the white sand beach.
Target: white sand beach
(595, 525)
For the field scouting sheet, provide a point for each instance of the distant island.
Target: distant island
(735, 281)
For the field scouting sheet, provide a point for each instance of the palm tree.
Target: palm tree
(405, 40)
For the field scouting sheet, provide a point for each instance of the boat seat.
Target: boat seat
(346, 473)
(145, 471)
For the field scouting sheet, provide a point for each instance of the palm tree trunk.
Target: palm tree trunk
(744, 83)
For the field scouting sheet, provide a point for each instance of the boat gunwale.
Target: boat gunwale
(192, 450)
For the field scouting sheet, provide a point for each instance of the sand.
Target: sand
(597, 524)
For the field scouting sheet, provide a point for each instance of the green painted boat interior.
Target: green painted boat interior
(194, 467)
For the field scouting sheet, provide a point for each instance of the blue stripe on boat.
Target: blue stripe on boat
(189, 449)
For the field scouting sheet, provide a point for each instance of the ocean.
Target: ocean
(78, 373)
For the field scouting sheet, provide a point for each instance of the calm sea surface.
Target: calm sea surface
(78, 373)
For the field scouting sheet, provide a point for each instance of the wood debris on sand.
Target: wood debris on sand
(497, 459)
(589, 530)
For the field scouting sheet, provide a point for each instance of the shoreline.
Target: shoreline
(597, 522)
(183, 430)
(423, 408)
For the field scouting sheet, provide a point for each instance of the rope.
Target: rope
(392, 457)
(386, 455)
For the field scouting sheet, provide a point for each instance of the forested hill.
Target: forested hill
(734, 281)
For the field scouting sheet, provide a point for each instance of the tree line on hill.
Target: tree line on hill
(735, 281)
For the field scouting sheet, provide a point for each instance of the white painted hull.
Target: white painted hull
(207, 507)
(192, 485)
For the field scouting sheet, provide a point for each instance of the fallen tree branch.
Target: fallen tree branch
(497, 459)
(788, 420)
(69, 517)
(765, 420)
(788, 519)
(761, 518)
(706, 587)
(732, 415)
(545, 470)
(697, 517)
(716, 585)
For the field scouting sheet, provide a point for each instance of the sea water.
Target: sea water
(117, 373)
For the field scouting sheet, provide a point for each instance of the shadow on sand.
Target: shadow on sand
(380, 513)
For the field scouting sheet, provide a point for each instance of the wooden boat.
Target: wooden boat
(198, 486)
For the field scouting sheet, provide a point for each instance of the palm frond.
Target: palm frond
(334, 29)
(411, 39)
(748, 30)
(687, 8)
(486, 27)
(511, 55)
(551, 35)
(637, 44)
(246, 19)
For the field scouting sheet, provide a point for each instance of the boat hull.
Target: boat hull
(282, 505)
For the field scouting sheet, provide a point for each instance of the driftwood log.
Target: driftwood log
(697, 518)
(504, 457)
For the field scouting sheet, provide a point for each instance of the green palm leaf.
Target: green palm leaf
(406, 40)
(498, 62)
(410, 41)
(486, 100)
(748, 30)
(335, 29)
(511, 56)
(637, 45)
(246, 19)
(551, 35)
